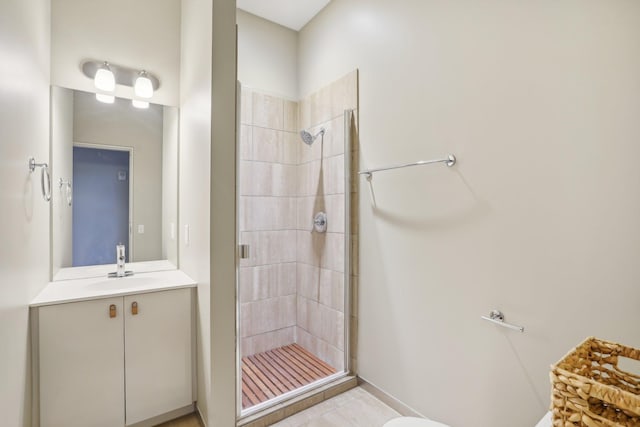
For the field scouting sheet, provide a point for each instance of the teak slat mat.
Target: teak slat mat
(278, 371)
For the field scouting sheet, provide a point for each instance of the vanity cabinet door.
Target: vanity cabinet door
(81, 364)
(158, 357)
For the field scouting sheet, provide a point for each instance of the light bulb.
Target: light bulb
(104, 79)
(139, 104)
(107, 99)
(143, 88)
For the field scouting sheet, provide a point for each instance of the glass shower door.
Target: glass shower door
(293, 275)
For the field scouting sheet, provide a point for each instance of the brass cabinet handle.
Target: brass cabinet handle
(112, 311)
(134, 308)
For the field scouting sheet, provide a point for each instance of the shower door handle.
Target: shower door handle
(243, 251)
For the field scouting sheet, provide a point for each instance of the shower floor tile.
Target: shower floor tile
(278, 371)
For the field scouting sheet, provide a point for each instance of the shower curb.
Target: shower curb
(286, 409)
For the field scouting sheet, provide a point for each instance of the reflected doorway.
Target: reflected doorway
(102, 204)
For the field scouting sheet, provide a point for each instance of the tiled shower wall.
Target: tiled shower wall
(292, 286)
(267, 221)
(320, 323)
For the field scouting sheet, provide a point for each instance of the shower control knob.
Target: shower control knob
(320, 222)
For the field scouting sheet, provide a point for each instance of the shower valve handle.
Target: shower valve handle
(320, 222)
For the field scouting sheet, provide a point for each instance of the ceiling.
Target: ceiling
(292, 14)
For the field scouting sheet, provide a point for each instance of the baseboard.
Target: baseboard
(172, 415)
(200, 417)
(389, 400)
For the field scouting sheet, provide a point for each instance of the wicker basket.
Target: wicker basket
(589, 390)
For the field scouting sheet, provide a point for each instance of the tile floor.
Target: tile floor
(354, 408)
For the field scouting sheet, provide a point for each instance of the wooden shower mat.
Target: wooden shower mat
(275, 372)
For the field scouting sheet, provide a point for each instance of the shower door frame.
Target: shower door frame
(262, 408)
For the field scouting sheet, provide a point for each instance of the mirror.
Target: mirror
(115, 180)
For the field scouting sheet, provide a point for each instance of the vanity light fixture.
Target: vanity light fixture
(143, 87)
(104, 78)
(107, 99)
(139, 104)
(106, 75)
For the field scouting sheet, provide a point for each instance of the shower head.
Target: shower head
(308, 138)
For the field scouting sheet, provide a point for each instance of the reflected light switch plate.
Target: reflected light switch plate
(140, 228)
(186, 235)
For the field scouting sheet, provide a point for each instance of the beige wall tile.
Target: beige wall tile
(321, 322)
(266, 281)
(331, 326)
(335, 213)
(334, 137)
(344, 93)
(310, 247)
(321, 106)
(268, 111)
(304, 113)
(269, 247)
(267, 179)
(267, 315)
(333, 174)
(293, 144)
(309, 183)
(291, 116)
(308, 281)
(332, 256)
(257, 213)
(308, 315)
(246, 141)
(246, 106)
(331, 292)
(351, 91)
(269, 145)
(320, 349)
(267, 341)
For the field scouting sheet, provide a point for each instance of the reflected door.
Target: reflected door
(101, 204)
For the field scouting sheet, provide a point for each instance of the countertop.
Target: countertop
(64, 291)
(72, 273)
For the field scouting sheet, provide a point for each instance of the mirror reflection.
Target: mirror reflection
(114, 167)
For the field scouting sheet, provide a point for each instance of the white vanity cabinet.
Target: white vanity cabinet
(115, 361)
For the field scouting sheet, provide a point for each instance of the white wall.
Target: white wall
(267, 56)
(170, 153)
(539, 101)
(118, 31)
(24, 216)
(120, 124)
(194, 170)
(61, 168)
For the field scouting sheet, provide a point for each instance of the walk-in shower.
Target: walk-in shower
(294, 272)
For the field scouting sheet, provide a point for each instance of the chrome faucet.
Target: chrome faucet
(120, 267)
(120, 257)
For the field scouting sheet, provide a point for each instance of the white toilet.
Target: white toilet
(412, 422)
